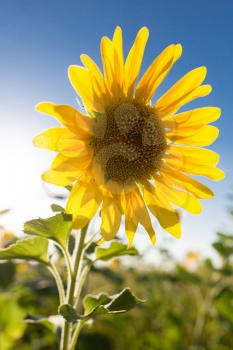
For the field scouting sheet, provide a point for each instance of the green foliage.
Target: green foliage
(68, 312)
(7, 273)
(101, 305)
(105, 304)
(115, 249)
(56, 228)
(32, 248)
(186, 309)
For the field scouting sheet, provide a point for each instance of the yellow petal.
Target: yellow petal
(140, 213)
(202, 170)
(49, 139)
(80, 79)
(66, 164)
(200, 91)
(204, 136)
(130, 224)
(78, 123)
(187, 183)
(111, 217)
(156, 72)
(61, 178)
(192, 155)
(71, 146)
(119, 61)
(162, 209)
(108, 59)
(182, 87)
(181, 199)
(83, 202)
(134, 60)
(194, 118)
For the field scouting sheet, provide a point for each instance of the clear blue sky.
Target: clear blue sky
(38, 41)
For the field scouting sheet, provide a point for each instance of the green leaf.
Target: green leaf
(57, 208)
(93, 302)
(56, 228)
(32, 248)
(101, 305)
(114, 250)
(68, 312)
(104, 304)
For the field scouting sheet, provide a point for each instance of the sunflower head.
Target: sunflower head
(125, 155)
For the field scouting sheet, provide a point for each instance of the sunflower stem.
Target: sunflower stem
(78, 253)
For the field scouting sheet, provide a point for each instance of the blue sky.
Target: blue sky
(40, 39)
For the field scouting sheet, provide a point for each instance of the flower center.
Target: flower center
(128, 142)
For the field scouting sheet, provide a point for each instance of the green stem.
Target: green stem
(52, 268)
(66, 330)
(76, 335)
(82, 280)
(68, 262)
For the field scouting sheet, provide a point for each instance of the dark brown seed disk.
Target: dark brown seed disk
(129, 142)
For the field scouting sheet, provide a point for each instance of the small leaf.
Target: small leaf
(32, 248)
(123, 302)
(56, 228)
(104, 304)
(114, 250)
(92, 302)
(68, 312)
(57, 208)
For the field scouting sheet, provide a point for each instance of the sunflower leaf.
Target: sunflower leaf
(115, 249)
(105, 304)
(101, 304)
(31, 248)
(56, 228)
(68, 312)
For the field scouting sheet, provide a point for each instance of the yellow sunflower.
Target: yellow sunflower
(126, 156)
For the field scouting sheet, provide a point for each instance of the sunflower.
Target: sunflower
(124, 155)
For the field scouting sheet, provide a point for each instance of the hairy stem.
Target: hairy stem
(66, 330)
(76, 335)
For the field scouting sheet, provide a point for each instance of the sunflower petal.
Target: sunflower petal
(204, 136)
(49, 138)
(80, 79)
(61, 178)
(66, 164)
(181, 199)
(75, 121)
(111, 217)
(70, 146)
(195, 118)
(193, 155)
(108, 60)
(162, 209)
(83, 202)
(139, 214)
(119, 62)
(156, 72)
(134, 60)
(182, 87)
